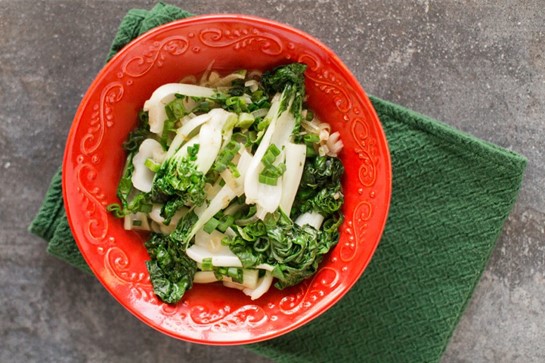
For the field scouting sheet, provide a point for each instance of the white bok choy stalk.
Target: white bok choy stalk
(313, 219)
(183, 151)
(142, 177)
(264, 183)
(251, 180)
(210, 241)
(136, 220)
(267, 197)
(263, 285)
(210, 136)
(237, 183)
(250, 279)
(221, 258)
(185, 130)
(209, 246)
(295, 162)
(208, 141)
(204, 277)
(155, 216)
(219, 202)
(164, 95)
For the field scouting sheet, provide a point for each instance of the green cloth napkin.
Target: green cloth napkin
(451, 196)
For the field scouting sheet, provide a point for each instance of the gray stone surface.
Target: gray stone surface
(476, 65)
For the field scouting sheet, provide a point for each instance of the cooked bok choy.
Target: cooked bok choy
(236, 181)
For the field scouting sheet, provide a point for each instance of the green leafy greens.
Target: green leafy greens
(171, 271)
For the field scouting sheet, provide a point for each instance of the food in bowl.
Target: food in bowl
(93, 163)
(237, 181)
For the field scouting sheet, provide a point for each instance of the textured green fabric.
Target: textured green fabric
(451, 195)
(138, 21)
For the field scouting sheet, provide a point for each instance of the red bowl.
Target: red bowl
(93, 162)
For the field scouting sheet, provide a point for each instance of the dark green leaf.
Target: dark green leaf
(171, 271)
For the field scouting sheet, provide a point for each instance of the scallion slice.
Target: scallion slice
(235, 274)
(211, 225)
(270, 155)
(268, 180)
(226, 155)
(226, 222)
(207, 264)
(152, 165)
(245, 120)
(311, 138)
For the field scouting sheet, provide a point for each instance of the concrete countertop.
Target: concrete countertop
(476, 65)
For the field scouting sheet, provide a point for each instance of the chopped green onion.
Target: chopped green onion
(211, 225)
(225, 156)
(281, 168)
(239, 138)
(252, 138)
(231, 122)
(137, 223)
(262, 125)
(268, 180)
(219, 215)
(221, 164)
(257, 95)
(236, 103)
(232, 146)
(235, 274)
(311, 152)
(219, 272)
(116, 209)
(234, 170)
(226, 222)
(268, 159)
(152, 165)
(311, 138)
(274, 171)
(310, 115)
(270, 155)
(271, 173)
(207, 264)
(245, 120)
(273, 149)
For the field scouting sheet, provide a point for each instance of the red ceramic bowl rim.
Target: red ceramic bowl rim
(353, 82)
